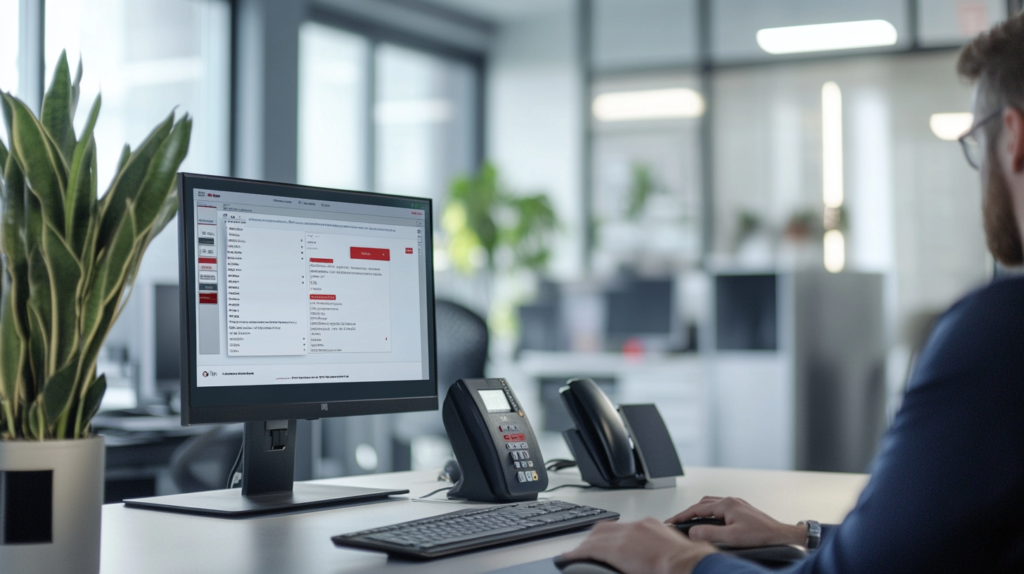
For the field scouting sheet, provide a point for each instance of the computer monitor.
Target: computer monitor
(643, 310)
(298, 303)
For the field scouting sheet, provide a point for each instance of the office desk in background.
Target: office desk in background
(156, 542)
(139, 450)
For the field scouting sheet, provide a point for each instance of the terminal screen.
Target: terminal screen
(495, 401)
(299, 291)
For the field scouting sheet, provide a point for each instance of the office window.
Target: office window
(8, 50)
(416, 134)
(423, 122)
(332, 100)
(148, 57)
(646, 172)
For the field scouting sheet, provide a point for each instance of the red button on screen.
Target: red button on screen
(370, 253)
(207, 259)
(208, 298)
(408, 250)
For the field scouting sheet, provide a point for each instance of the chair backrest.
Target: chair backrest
(461, 344)
(203, 462)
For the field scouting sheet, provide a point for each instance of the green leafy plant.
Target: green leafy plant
(641, 187)
(69, 257)
(481, 213)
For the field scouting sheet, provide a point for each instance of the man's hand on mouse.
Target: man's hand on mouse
(645, 547)
(745, 526)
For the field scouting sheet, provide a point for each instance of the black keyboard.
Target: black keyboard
(466, 530)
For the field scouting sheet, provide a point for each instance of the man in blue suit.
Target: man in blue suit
(947, 488)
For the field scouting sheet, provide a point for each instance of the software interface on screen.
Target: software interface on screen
(299, 291)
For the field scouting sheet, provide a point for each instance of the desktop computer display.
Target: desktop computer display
(298, 303)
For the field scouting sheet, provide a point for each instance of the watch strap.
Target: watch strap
(813, 533)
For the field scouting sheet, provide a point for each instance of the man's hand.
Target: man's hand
(745, 525)
(645, 547)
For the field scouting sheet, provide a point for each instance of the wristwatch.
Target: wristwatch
(813, 533)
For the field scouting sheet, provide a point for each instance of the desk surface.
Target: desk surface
(156, 542)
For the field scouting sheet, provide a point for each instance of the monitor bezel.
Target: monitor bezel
(310, 410)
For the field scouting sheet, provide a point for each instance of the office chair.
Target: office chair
(462, 341)
(462, 344)
(203, 462)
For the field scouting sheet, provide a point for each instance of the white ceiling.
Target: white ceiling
(500, 11)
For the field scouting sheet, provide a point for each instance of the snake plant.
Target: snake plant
(70, 256)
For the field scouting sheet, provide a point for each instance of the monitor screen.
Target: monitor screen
(641, 307)
(304, 302)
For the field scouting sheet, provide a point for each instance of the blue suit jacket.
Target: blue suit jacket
(947, 487)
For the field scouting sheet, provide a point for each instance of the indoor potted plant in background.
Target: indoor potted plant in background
(69, 260)
(502, 233)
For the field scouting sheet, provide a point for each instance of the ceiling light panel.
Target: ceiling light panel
(672, 103)
(827, 37)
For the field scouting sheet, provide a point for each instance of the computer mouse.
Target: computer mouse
(583, 567)
(685, 527)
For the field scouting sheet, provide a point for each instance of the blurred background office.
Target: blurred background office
(720, 207)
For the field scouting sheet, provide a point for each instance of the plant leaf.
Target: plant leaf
(76, 89)
(57, 111)
(91, 403)
(167, 213)
(31, 426)
(160, 177)
(39, 318)
(11, 350)
(58, 392)
(117, 259)
(78, 203)
(41, 162)
(12, 240)
(3, 158)
(65, 288)
(129, 180)
(126, 153)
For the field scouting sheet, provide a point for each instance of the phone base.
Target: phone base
(589, 470)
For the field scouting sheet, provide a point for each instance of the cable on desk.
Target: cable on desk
(234, 476)
(557, 464)
(568, 485)
(436, 491)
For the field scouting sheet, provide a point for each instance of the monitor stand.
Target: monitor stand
(268, 487)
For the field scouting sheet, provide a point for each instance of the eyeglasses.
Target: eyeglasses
(972, 147)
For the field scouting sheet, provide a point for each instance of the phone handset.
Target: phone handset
(628, 448)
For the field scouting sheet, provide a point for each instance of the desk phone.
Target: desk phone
(493, 442)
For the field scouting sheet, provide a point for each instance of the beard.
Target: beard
(1001, 231)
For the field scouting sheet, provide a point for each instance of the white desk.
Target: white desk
(137, 541)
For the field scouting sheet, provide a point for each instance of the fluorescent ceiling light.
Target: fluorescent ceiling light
(949, 127)
(832, 145)
(823, 37)
(648, 105)
(404, 112)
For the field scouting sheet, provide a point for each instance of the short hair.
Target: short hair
(995, 61)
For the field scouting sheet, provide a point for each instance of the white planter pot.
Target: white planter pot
(71, 473)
